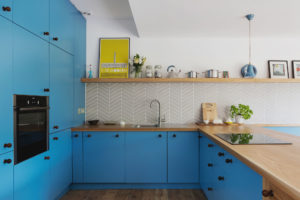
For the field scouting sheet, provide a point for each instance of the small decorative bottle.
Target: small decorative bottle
(90, 72)
(149, 72)
(157, 72)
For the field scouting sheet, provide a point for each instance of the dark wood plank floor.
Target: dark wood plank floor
(134, 195)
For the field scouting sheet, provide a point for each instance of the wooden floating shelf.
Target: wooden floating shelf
(188, 80)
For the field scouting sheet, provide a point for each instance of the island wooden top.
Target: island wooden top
(279, 164)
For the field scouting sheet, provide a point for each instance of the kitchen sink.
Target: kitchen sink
(145, 125)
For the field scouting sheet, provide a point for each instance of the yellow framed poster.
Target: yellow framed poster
(114, 56)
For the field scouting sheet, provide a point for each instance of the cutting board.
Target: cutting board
(209, 111)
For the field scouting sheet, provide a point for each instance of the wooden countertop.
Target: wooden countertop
(280, 164)
(130, 127)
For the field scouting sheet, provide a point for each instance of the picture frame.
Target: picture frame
(278, 69)
(296, 68)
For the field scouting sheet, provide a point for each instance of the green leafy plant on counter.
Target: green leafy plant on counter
(242, 110)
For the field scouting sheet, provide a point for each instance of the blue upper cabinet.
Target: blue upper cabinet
(33, 15)
(61, 162)
(61, 89)
(6, 174)
(6, 100)
(62, 24)
(31, 63)
(80, 68)
(146, 157)
(104, 157)
(6, 9)
(32, 178)
(183, 157)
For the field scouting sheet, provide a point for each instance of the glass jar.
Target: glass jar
(149, 71)
(157, 71)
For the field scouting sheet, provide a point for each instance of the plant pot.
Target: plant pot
(239, 119)
(138, 74)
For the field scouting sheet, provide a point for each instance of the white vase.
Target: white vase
(239, 119)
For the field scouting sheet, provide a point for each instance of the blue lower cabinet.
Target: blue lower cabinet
(32, 178)
(31, 63)
(6, 9)
(6, 174)
(6, 94)
(183, 157)
(146, 157)
(60, 163)
(77, 157)
(61, 89)
(104, 157)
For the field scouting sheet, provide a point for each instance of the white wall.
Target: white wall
(201, 54)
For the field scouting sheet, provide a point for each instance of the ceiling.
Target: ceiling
(201, 18)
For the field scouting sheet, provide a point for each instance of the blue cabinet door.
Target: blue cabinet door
(62, 24)
(30, 64)
(60, 163)
(77, 157)
(8, 10)
(146, 157)
(32, 178)
(183, 157)
(6, 174)
(80, 69)
(6, 100)
(33, 15)
(61, 89)
(104, 154)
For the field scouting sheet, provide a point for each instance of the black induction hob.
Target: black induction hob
(248, 138)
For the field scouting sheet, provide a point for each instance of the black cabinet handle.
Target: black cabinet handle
(210, 165)
(46, 33)
(55, 38)
(199, 136)
(7, 161)
(89, 135)
(46, 90)
(6, 8)
(220, 154)
(228, 161)
(47, 158)
(159, 135)
(55, 138)
(8, 145)
(55, 127)
(210, 145)
(76, 135)
(174, 135)
(117, 135)
(267, 193)
(209, 189)
(221, 178)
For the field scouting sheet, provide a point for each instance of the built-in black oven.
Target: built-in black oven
(31, 126)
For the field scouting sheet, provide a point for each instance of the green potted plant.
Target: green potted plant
(240, 113)
(137, 63)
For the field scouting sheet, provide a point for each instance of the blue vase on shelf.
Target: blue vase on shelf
(249, 71)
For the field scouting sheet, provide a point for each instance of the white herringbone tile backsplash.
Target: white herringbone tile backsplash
(181, 102)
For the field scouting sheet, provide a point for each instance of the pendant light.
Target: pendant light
(249, 70)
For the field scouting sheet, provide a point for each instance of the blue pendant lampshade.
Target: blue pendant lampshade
(249, 70)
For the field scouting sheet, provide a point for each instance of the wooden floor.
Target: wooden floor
(134, 195)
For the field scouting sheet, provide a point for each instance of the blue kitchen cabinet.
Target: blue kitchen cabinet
(6, 100)
(77, 157)
(32, 178)
(62, 24)
(183, 157)
(104, 157)
(61, 89)
(80, 69)
(146, 157)
(6, 9)
(6, 174)
(33, 15)
(31, 63)
(60, 163)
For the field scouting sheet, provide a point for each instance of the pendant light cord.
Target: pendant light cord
(249, 41)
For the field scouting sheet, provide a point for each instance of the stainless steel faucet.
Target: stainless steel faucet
(158, 120)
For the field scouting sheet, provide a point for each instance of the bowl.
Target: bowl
(93, 122)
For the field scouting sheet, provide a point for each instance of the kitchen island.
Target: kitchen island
(279, 165)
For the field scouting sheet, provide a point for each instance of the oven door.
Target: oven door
(31, 132)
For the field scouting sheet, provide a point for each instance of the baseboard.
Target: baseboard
(134, 186)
